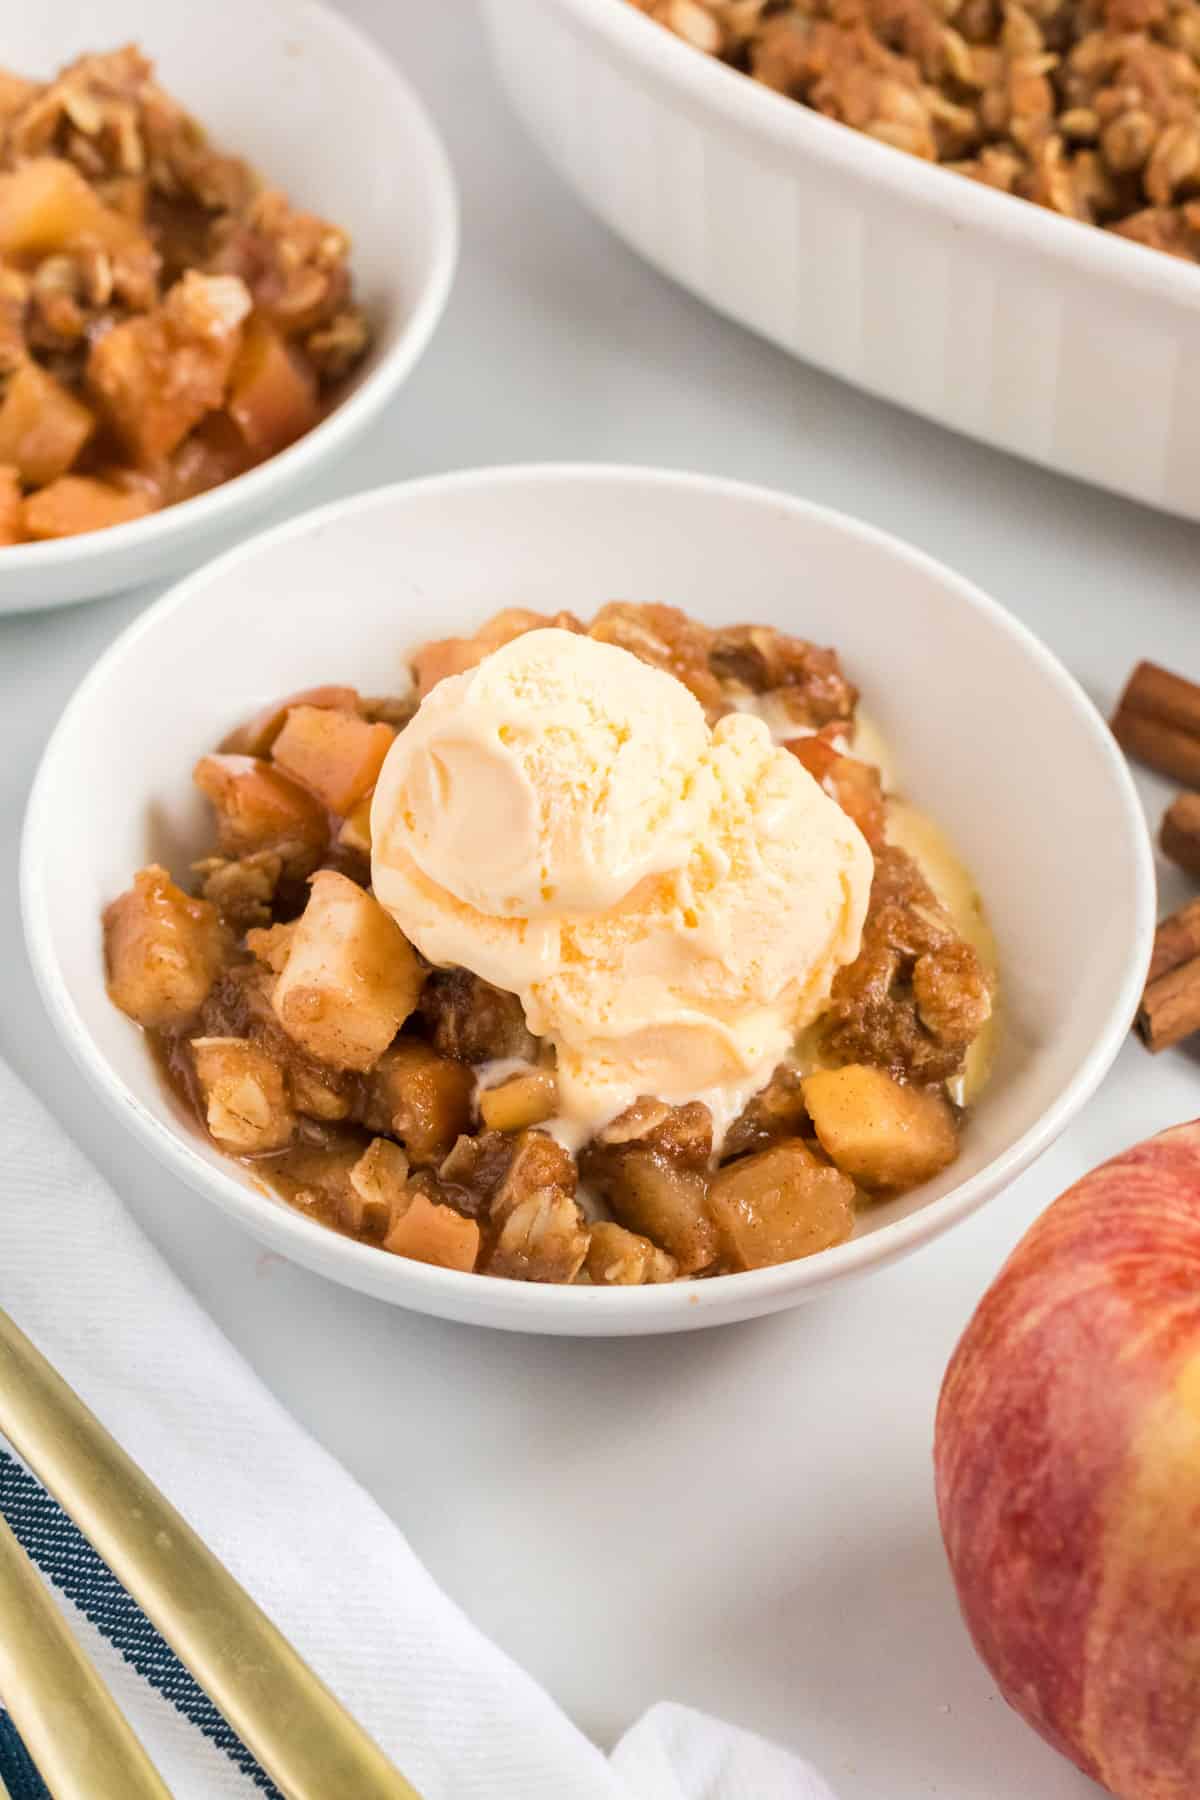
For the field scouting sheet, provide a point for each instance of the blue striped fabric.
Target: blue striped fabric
(17, 1772)
(64, 1555)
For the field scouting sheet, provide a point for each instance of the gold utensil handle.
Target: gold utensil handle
(80, 1741)
(303, 1737)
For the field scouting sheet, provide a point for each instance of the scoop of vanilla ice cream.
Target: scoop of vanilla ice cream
(531, 785)
(670, 903)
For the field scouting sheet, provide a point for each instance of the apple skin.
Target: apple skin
(1067, 1462)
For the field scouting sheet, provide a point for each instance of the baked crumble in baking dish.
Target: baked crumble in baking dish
(1088, 107)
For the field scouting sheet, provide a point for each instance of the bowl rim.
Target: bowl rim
(448, 1292)
(795, 128)
(347, 416)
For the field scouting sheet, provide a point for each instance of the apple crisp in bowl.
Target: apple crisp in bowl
(167, 321)
(598, 954)
(566, 1020)
(216, 266)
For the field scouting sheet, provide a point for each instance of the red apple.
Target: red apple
(1068, 1472)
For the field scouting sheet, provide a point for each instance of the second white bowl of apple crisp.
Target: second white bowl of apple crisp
(226, 236)
(587, 900)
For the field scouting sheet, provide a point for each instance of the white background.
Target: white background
(741, 1519)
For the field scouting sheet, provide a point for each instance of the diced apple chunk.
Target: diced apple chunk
(46, 205)
(213, 452)
(208, 309)
(651, 1164)
(259, 808)
(354, 832)
(42, 426)
(163, 950)
(127, 377)
(246, 1105)
(433, 661)
(156, 376)
(12, 523)
(428, 1232)
(336, 754)
(440, 657)
(315, 1176)
(522, 1100)
(879, 1133)
(657, 1198)
(77, 503)
(16, 92)
(779, 1205)
(319, 1093)
(620, 1258)
(420, 1097)
(272, 394)
(351, 978)
(854, 784)
(512, 622)
(257, 735)
(379, 1181)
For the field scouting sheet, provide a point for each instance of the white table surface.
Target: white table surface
(741, 1519)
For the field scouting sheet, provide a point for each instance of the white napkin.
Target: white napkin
(458, 1717)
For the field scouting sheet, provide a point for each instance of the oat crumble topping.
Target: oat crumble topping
(1088, 107)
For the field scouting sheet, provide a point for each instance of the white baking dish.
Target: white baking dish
(1039, 335)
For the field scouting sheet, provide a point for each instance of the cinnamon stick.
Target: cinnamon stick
(1154, 690)
(1176, 941)
(1170, 1009)
(1179, 835)
(1158, 721)
(1163, 747)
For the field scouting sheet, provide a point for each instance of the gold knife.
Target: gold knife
(303, 1737)
(79, 1740)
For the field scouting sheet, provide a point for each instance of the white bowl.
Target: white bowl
(990, 734)
(320, 112)
(1032, 332)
